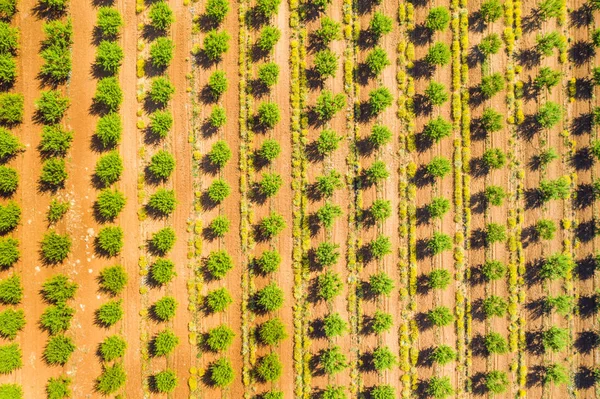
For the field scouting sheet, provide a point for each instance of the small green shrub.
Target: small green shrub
(109, 56)
(217, 117)
(218, 300)
(439, 167)
(381, 284)
(54, 173)
(549, 114)
(110, 203)
(218, 190)
(57, 318)
(11, 322)
(380, 247)
(10, 358)
(9, 252)
(440, 387)
(11, 108)
(334, 325)
(492, 84)
(547, 78)
(217, 84)
(555, 189)
(112, 379)
(110, 240)
(381, 322)
(59, 289)
(442, 355)
(216, 10)
(58, 388)
(491, 120)
(109, 130)
(9, 180)
(377, 60)
(439, 243)
(437, 129)
(270, 184)
(161, 52)
(269, 367)
(55, 247)
(494, 233)
(163, 240)
(329, 286)
(110, 313)
(379, 99)
(161, 123)
(58, 350)
(490, 44)
(381, 209)
(164, 309)
(109, 21)
(162, 202)
(8, 70)
(113, 279)
(161, 91)
(380, 25)
(332, 360)
(272, 225)
(162, 271)
(9, 145)
(327, 253)
(51, 106)
(546, 157)
(220, 153)
(57, 64)
(270, 298)
(326, 63)
(495, 343)
(438, 54)
(268, 74)
(545, 229)
(219, 263)
(162, 165)
(556, 266)
(8, 8)
(267, 8)
(220, 338)
(221, 372)
(165, 381)
(329, 31)
(440, 316)
(268, 115)
(10, 216)
(164, 343)
(439, 279)
(272, 332)
(329, 104)
(109, 168)
(377, 172)
(494, 306)
(555, 339)
(436, 93)
(491, 10)
(383, 358)
(383, 392)
(333, 392)
(493, 270)
(161, 16)
(494, 195)
(11, 290)
(556, 374)
(438, 19)
(438, 207)
(216, 44)
(112, 348)
(109, 94)
(561, 304)
(328, 183)
(56, 6)
(55, 141)
(220, 226)
(268, 262)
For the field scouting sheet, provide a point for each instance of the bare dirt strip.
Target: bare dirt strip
(431, 336)
(317, 167)
(481, 214)
(387, 190)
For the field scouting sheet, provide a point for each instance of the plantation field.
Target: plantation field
(325, 199)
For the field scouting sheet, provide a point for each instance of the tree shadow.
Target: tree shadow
(41, 11)
(582, 159)
(533, 198)
(586, 231)
(584, 196)
(534, 376)
(582, 16)
(420, 35)
(478, 203)
(537, 308)
(581, 52)
(422, 70)
(476, 22)
(529, 58)
(586, 267)
(584, 88)
(582, 124)
(584, 378)
(533, 343)
(587, 305)
(586, 342)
